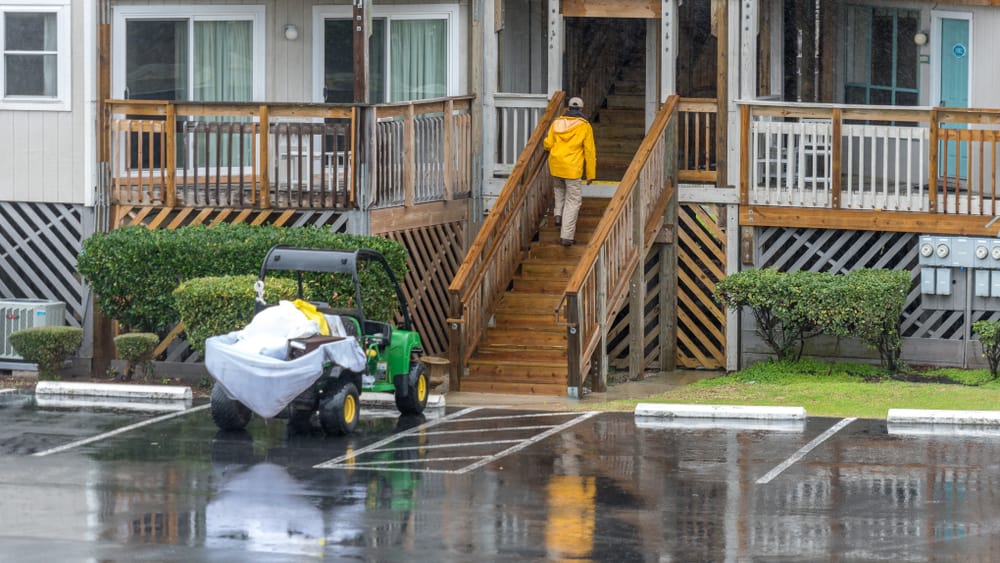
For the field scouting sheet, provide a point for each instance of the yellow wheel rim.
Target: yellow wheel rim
(350, 408)
(421, 388)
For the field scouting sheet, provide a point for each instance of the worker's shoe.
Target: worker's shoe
(566, 241)
(559, 220)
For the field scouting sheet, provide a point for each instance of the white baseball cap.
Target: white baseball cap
(575, 103)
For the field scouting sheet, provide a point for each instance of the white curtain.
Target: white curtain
(418, 59)
(223, 72)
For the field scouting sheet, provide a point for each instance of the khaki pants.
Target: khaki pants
(568, 195)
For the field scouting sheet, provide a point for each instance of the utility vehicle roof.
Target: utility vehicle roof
(292, 258)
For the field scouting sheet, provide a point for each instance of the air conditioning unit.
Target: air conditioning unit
(19, 314)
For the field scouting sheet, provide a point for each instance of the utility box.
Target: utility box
(19, 314)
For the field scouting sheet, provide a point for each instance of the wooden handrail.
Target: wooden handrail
(499, 246)
(510, 198)
(600, 283)
(617, 204)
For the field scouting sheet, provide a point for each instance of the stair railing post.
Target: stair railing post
(573, 351)
(456, 344)
(600, 382)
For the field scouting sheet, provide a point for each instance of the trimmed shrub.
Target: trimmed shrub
(989, 338)
(136, 348)
(792, 307)
(219, 305)
(47, 346)
(134, 270)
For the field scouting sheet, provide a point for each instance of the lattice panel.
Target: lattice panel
(701, 254)
(834, 251)
(172, 218)
(701, 262)
(434, 254)
(39, 244)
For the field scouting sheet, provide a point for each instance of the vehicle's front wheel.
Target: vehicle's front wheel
(412, 389)
(228, 414)
(338, 415)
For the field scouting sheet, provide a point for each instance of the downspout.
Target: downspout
(816, 57)
(90, 103)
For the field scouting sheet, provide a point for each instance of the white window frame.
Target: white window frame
(447, 12)
(191, 13)
(63, 99)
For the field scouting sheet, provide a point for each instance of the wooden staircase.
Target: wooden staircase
(524, 349)
(619, 126)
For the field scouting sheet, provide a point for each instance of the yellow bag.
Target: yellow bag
(309, 310)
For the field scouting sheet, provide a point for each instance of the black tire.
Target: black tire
(227, 413)
(338, 415)
(412, 398)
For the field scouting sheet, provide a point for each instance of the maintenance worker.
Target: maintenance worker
(570, 143)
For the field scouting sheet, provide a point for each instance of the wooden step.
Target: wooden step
(480, 386)
(525, 339)
(555, 269)
(487, 352)
(548, 286)
(626, 101)
(620, 117)
(528, 301)
(517, 370)
(543, 250)
(524, 319)
(552, 236)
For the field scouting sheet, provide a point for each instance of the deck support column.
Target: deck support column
(666, 247)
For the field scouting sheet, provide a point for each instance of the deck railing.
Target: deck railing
(517, 116)
(423, 151)
(870, 158)
(696, 156)
(499, 247)
(600, 284)
(247, 155)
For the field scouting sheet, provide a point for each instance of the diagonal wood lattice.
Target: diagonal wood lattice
(701, 262)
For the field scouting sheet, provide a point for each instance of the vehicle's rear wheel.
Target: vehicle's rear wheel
(412, 389)
(227, 413)
(338, 415)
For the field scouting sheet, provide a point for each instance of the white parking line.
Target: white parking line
(352, 460)
(804, 450)
(121, 430)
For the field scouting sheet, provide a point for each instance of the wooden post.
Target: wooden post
(932, 166)
(573, 377)
(600, 379)
(637, 293)
(744, 154)
(668, 290)
(360, 43)
(449, 149)
(721, 9)
(265, 150)
(170, 134)
(456, 344)
(835, 156)
(409, 157)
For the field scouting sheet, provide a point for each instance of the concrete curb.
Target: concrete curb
(388, 400)
(917, 416)
(719, 412)
(113, 390)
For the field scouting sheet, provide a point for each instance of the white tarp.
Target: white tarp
(265, 384)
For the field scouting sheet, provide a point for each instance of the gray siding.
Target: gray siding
(42, 153)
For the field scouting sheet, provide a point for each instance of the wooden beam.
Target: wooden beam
(644, 9)
(721, 9)
(855, 220)
(420, 215)
(360, 42)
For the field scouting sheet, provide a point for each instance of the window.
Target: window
(36, 61)
(881, 61)
(411, 53)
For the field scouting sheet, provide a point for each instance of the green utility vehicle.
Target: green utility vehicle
(391, 353)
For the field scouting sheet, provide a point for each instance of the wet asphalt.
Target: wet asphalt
(486, 484)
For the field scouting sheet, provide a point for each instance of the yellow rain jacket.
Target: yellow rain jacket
(570, 143)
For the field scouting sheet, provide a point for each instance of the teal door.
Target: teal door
(954, 81)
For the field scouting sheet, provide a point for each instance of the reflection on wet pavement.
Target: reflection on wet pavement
(601, 489)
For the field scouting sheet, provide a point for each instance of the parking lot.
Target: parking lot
(468, 483)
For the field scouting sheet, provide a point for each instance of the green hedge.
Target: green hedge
(47, 346)
(134, 270)
(136, 348)
(219, 305)
(989, 338)
(792, 307)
